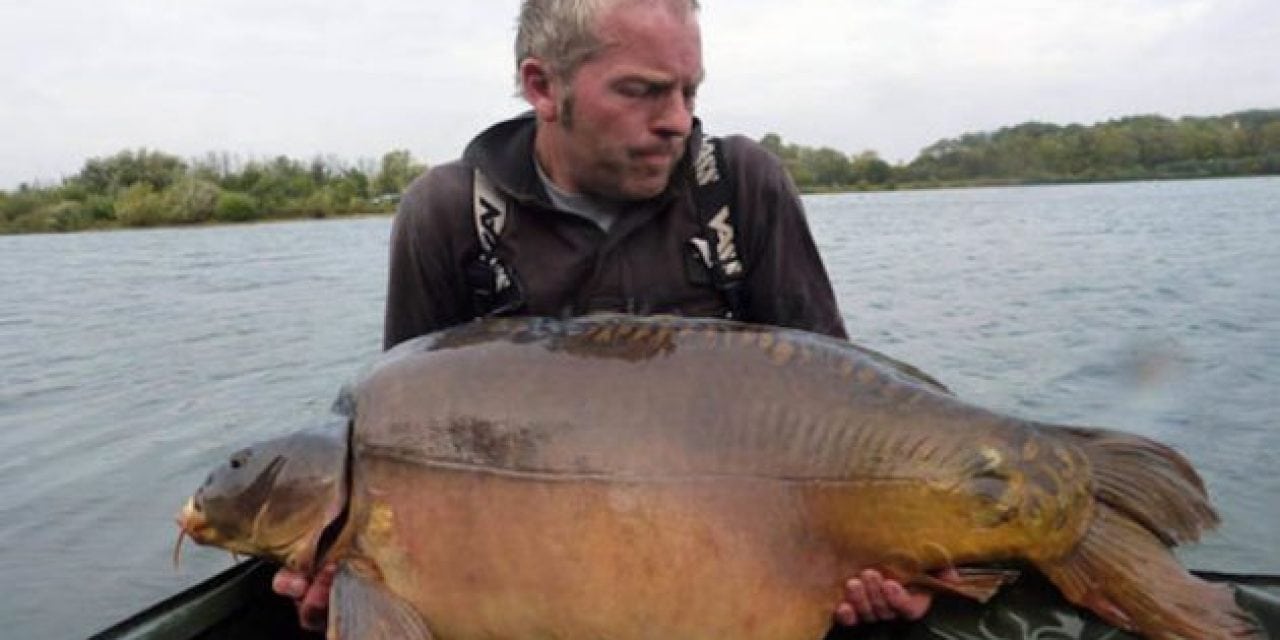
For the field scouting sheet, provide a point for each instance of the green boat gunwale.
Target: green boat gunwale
(238, 603)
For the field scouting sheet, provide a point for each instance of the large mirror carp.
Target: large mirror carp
(629, 477)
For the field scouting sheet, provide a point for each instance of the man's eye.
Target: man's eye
(636, 89)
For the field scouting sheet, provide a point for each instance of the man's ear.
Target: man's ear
(539, 89)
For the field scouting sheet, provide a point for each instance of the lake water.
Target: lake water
(131, 362)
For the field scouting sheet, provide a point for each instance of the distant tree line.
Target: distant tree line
(149, 188)
(1132, 148)
(827, 168)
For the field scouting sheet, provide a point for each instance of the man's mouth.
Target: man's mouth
(654, 155)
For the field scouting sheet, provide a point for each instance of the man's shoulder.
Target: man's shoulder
(442, 181)
(741, 143)
(754, 168)
(439, 199)
(748, 159)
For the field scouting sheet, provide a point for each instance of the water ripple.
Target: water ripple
(131, 362)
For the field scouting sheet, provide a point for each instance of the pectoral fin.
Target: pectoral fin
(361, 608)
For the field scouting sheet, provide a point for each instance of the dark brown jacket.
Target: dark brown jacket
(566, 265)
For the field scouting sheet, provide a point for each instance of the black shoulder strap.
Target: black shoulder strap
(716, 242)
(493, 285)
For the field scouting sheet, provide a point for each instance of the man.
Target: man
(601, 215)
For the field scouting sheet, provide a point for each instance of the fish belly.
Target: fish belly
(500, 555)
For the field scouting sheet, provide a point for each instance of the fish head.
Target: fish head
(275, 499)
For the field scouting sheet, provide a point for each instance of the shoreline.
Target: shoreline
(991, 183)
(832, 190)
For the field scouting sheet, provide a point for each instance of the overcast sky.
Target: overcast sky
(86, 78)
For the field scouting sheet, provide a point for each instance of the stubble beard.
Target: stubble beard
(616, 173)
(566, 110)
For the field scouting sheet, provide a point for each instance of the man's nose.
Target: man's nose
(674, 117)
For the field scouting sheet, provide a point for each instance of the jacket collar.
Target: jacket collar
(504, 152)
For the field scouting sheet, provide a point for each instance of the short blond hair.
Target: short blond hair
(562, 32)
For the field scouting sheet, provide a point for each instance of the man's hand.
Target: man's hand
(871, 597)
(311, 597)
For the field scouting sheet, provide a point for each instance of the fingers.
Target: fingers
(313, 608)
(871, 597)
(845, 615)
(876, 594)
(310, 596)
(865, 595)
(312, 617)
(908, 605)
(289, 584)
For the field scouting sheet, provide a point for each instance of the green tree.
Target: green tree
(141, 206)
(867, 167)
(276, 183)
(1269, 138)
(106, 176)
(829, 166)
(1114, 148)
(395, 172)
(357, 181)
(20, 204)
(67, 215)
(773, 143)
(193, 199)
(801, 174)
(234, 206)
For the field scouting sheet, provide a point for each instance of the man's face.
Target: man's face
(623, 120)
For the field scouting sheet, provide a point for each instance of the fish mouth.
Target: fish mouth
(193, 524)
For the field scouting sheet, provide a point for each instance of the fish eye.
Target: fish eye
(240, 458)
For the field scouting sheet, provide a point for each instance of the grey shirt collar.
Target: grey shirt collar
(601, 212)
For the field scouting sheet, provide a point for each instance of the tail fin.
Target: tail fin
(1128, 577)
(1148, 482)
(1148, 499)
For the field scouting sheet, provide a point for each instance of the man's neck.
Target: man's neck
(598, 210)
(551, 162)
